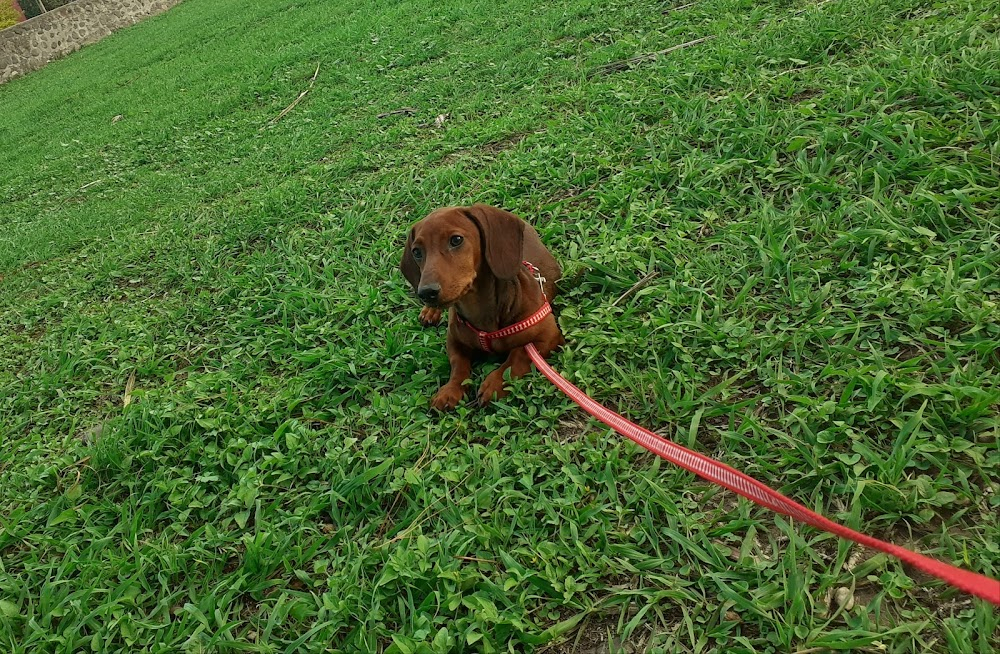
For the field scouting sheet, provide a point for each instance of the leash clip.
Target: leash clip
(541, 283)
(537, 274)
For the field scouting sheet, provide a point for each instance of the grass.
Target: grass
(213, 389)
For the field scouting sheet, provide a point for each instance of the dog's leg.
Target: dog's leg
(519, 364)
(449, 395)
(430, 316)
(492, 387)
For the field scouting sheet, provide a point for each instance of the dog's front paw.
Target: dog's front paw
(492, 388)
(447, 397)
(430, 316)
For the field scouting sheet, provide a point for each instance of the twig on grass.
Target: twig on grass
(635, 287)
(408, 111)
(72, 195)
(294, 102)
(624, 64)
(687, 6)
(418, 466)
(421, 518)
(82, 463)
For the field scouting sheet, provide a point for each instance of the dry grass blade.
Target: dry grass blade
(296, 101)
(475, 559)
(813, 6)
(625, 64)
(129, 386)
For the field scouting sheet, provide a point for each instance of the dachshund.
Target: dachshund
(492, 273)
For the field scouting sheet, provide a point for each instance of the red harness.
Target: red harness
(486, 338)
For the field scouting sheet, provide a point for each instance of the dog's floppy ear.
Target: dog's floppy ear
(408, 266)
(503, 238)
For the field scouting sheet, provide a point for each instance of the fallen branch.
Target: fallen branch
(625, 64)
(295, 102)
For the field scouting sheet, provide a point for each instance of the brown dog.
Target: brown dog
(469, 260)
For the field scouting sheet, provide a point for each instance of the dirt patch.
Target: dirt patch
(902, 103)
(599, 635)
(235, 560)
(805, 94)
(908, 352)
(572, 197)
(572, 429)
(506, 143)
(487, 150)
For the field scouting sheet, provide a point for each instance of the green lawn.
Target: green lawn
(214, 433)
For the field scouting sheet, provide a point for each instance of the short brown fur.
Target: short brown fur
(483, 280)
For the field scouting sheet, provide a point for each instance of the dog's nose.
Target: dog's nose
(429, 293)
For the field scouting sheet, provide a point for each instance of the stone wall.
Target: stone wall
(30, 45)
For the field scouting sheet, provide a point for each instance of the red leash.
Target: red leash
(721, 474)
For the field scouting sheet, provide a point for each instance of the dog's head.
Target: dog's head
(446, 251)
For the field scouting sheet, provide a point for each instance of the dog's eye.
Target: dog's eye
(456, 240)
(417, 253)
